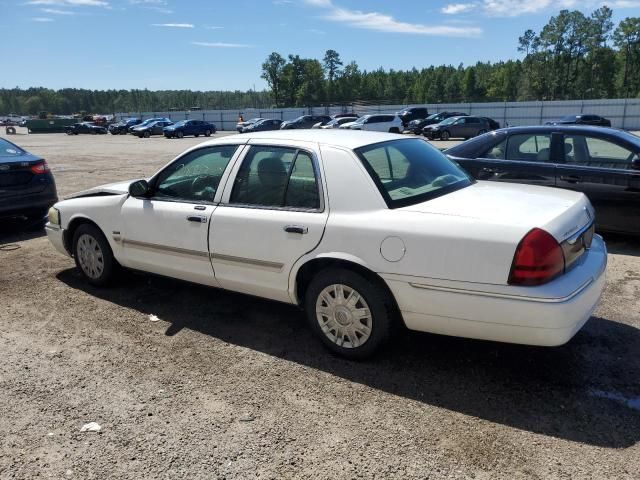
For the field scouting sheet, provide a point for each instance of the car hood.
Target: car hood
(117, 188)
(559, 212)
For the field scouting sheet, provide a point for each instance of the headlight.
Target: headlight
(54, 216)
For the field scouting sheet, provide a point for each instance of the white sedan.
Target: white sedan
(365, 231)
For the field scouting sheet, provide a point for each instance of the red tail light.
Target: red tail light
(40, 167)
(538, 259)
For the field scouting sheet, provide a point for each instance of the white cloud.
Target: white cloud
(42, 19)
(386, 23)
(456, 8)
(173, 25)
(213, 27)
(55, 11)
(514, 8)
(220, 45)
(70, 3)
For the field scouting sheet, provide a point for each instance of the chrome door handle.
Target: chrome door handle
(197, 218)
(296, 229)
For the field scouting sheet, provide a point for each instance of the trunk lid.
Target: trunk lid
(562, 213)
(16, 177)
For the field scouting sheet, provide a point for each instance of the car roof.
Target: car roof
(350, 139)
(566, 128)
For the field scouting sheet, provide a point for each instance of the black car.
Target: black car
(413, 113)
(595, 120)
(416, 126)
(305, 121)
(263, 125)
(27, 188)
(122, 127)
(603, 163)
(85, 127)
(153, 128)
(189, 127)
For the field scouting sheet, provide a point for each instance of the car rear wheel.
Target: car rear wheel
(207, 133)
(179, 134)
(146, 135)
(93, 256)
(196, 135)
(445, 135)
(351, 315)
(394, 130)
(482, 132)
(69, 132)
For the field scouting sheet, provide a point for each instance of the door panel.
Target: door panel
(167, 238)
(614, 192)
(271, 215)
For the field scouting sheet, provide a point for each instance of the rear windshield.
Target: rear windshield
(411, 171)
(9, 149)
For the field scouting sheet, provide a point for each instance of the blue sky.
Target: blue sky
(221, 44)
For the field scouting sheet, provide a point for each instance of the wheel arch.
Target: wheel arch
(306, 271)
(73, 225)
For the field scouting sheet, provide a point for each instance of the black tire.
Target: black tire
(179, 134)
(207, 133)
(94, 132)
(10, 130)
(481, 132)
(146, 134)
(445, 135)
(109, 263)
(394, 130)
(69, 132)
(196, 135)
(376, 297)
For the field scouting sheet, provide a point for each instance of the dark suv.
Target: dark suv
(457, 127)
(416, 126)
(413, 113)
(27, 188)
(305, 121)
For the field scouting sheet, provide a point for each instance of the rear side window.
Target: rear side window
(596, 152)
(529, 147)
(277, 177)
(8, 149)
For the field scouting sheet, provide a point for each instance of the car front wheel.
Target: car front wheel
(207, 133)
(146, 135)
(351, 315)
(179, 134)
(93, 256)
(445, 135)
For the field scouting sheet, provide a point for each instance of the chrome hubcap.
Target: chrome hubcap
(343, 316)
(90, 256)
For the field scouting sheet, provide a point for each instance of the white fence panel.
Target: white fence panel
(623, 113)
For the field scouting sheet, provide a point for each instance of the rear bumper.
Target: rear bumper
(28, 204)
(549, 315)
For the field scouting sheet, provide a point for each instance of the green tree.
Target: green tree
(272, 72)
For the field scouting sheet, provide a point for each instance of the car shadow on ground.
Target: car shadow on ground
(14, 230)
(575, 392)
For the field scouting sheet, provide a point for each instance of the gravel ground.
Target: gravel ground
(228, 386)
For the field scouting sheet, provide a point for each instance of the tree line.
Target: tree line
(574, 56)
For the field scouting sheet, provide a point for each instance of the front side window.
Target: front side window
(596, 152)
(277, 177)
(195, 177)
(411, 171)
(529, 147)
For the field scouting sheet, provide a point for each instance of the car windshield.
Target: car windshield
(448, 121)
(433, 116)
(361, 119)
(180, 123)
(411, 171)
(569, 118)
(9, 149)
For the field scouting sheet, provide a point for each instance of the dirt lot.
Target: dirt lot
(228, 386)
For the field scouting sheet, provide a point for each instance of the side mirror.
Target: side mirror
(635, 163)
(139, 188)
